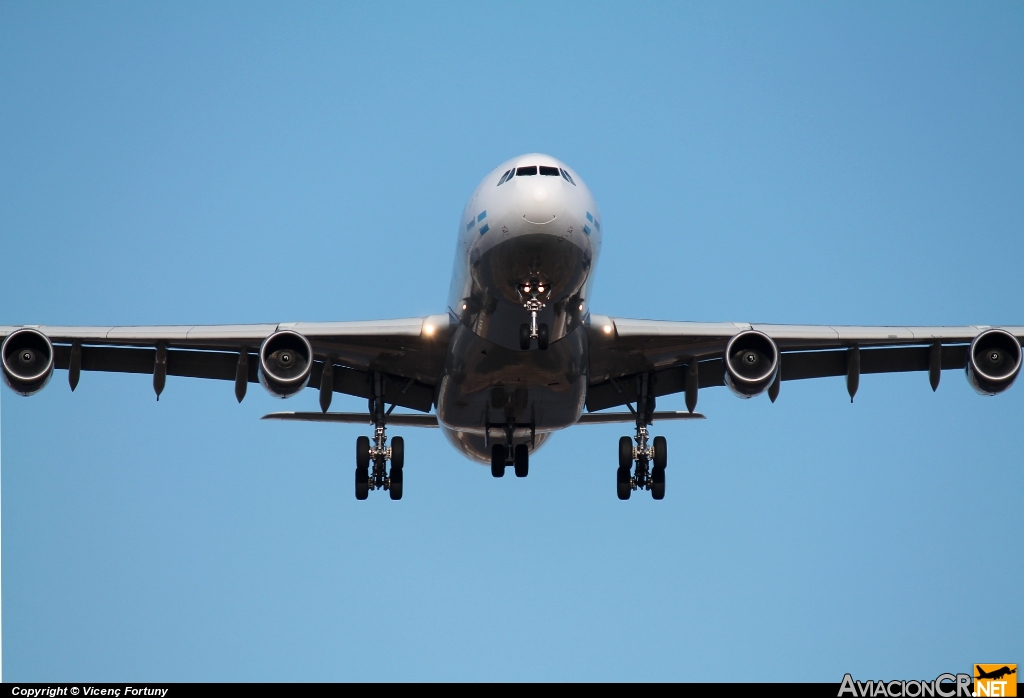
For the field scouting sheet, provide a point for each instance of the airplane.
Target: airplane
(518, 354)
(996, 674)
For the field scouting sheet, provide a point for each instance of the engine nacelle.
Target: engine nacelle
(286, 360)
(993, 361)
(751, 363)
(27, 356)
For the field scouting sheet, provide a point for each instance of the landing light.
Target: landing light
(526, 289)
(463, 306)
(607, 329)
(428, 330)
(540, 289)
(581, 306)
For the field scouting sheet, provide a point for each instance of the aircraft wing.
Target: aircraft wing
(407, 353)
(623, 349)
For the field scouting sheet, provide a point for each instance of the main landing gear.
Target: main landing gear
(371, 461)
(650, 459)
(520, 460)
(532, 290)
(505, 454)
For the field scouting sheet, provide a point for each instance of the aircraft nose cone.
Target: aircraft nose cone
(540, 204)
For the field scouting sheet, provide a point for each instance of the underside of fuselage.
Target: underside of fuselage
(490, 393)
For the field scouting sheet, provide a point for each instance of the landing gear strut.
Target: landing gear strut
(650, 459)
(371, 460)
(532, 290)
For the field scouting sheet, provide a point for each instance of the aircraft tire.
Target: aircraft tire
(524, 337)
(660, 452)
(625, 452)
(542, 337)
(658, 483)
(498, 460)
(522, 460)
(362, 483)
(395, 488)
(363, 452)
(397, 452)
(623, 485)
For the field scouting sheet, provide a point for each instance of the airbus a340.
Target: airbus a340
(518, 354)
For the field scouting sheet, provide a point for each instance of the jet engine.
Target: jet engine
(286, 359)
(993, 361)
(751, 363)
(27, 361)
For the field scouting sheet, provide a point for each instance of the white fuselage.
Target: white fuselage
(520, 231)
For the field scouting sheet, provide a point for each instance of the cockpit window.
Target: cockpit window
(526, 171)
(508, 175)
(568, 178)
(549, 171)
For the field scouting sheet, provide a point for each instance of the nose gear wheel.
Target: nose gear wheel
(532, 291)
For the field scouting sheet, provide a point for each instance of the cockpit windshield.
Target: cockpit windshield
(534, 170)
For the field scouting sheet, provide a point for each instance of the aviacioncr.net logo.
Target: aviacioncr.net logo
(943, 686)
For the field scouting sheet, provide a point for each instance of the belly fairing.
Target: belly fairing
(474, 448)
(486, 386)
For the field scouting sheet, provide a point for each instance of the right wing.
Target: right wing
(623, 349)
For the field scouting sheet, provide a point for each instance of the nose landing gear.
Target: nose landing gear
(371, 461)
(650, 458)
(532, 290)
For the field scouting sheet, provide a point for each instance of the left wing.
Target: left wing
(406, 354)
(685, 356)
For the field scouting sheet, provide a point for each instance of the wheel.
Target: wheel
(660, 452)
(626, 452)
(398, 452)
(362, 483)
(524, 337)
(395, 488)
(624, 486)
(658, 483)
(542, 337)
(363, 452)
(498, 460)
(522, 458)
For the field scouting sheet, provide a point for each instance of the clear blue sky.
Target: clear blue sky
(857, 163)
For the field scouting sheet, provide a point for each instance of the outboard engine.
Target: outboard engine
(751, 363)
(27, 361)
(993, 361)
(286, 360)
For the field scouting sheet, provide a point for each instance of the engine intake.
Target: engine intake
(27, 356)
(751, 363)
(286, 360)
(993, 361)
